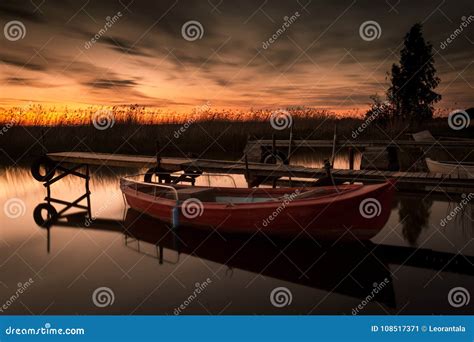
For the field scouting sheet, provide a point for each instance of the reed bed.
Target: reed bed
(30, 132)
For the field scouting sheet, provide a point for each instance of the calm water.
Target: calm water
(414, 261)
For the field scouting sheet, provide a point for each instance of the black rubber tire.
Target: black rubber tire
(38, 215)
(156, 170)
(48, 165)
(270, 158)
(148, 175)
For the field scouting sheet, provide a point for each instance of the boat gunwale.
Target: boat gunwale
(450, 169)
(451, 163)
(351, 190)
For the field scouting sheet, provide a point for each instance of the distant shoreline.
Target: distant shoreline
(215, 137)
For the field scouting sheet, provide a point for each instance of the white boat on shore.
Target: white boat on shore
(450, 168)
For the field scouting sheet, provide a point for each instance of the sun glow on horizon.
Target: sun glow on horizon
(54, 115)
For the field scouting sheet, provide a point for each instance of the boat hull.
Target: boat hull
(327, 216)
(459, 170)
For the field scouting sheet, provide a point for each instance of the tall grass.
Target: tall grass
(209, 134)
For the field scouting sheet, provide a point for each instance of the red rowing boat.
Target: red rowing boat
(355, 211)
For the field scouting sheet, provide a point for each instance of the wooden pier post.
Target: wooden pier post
(334, 140)
(88, 192)
(290, 143)
(275, 157)
(351, 158)
(247, 173)
(289, 151)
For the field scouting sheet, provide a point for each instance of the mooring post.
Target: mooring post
(333, 157)
(48, 200)
(327, 167)
(160, 260)
(88, 197)
(247, 173)
(48, 194)
(351, 158)
(275, 157)
(290, 142)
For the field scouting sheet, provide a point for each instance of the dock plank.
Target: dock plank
(364, 143)
(174, 164)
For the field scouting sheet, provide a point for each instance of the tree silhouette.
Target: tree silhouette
(411, 94)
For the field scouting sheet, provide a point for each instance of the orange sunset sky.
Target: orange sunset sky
(320, 60)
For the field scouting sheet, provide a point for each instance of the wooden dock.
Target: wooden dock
(362, 143)
(380, 155)
(406, 180)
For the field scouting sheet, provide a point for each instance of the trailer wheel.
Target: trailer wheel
(277, 158)
(162, 177)
(43, 169)
(43, 220)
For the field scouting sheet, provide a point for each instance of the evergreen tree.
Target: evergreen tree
(412, 93)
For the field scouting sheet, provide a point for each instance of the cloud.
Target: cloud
(27, 82)
(20, 13)
(104, 83)
(21, 63)
(320, 58)
(124, 46)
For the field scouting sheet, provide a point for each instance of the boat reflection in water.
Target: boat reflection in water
(349, 268)
(342, 268)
